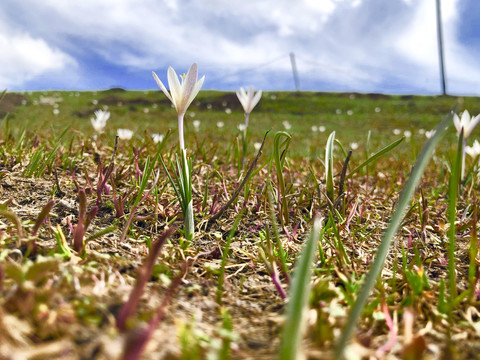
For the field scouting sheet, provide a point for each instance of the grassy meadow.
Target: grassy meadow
(93, 264)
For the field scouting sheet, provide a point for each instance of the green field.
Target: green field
(221, 295)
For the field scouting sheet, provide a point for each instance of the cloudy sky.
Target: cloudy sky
(387, 46)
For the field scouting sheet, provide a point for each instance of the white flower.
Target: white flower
(124, 134)
(429, 134)
(338, 111)
(94, 102)
(220, 124)
(322, 128)
(228, 111)
(407, 133)
(196, 124)
(350, 112)
(241, 127)
(397, 131)
(157, 138)
(181, 94)
(100, 120)
(354, 146)
(421, 131)
(287, 125)
(474, 150)
(248, 100)
(257, 145)
(377, 109)
(314, 128)
(56, 111)
(465, 122)
(146, 110)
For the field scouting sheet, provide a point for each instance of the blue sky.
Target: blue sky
(386, 46)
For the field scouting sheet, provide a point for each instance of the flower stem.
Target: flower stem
(180, 132)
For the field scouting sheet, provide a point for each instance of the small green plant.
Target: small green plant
(280, 147)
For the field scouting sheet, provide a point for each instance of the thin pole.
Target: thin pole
(440, 48)
(295, 72)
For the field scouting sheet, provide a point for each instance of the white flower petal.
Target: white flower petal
(472, 125)
(256, 98)
(175, 87)
(161, 86)
(194, 92)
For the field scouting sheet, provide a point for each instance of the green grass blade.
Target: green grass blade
(329, 167)
(224, 257)
(395, 222)
(298, 296)
(452, 215)
(281, 143)
(376, 156)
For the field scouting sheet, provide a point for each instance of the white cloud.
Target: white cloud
(362, 45)
(23, 58)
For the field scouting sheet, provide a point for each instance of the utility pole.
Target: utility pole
(440, 48)
(295, 72)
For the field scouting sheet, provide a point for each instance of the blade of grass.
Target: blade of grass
(455, 177)
(224, 258)
(329, 167)
(298, 297)
(395, 222)
(376, 156)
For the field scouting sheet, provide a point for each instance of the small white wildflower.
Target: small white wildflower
(465, 122)
(56, 111)
(220, 124)
(377, 109)
(100, 120)
(146, 110)
(273, 97)
(286, 125)
(228, 111)
(196, 124)
(407, 134)
(474, 150)
(314, 128)
(157, 138)
(354, 146)
(192, 114)
(421, 131)
(350, 112)
(209, 106)
(338, 111)
(322, 128)
(124, 134)
(224, 103)
(94, 102)
(257, 145)
(241, 127)
(24, 102)
(429, 134)
(397, 131)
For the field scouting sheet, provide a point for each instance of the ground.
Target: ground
(62, 302)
